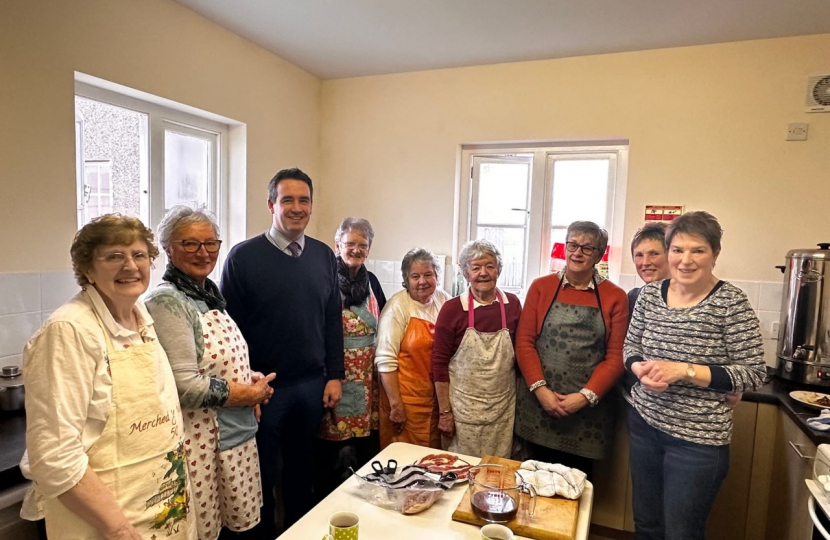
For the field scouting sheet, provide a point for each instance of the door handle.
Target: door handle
(797, 450)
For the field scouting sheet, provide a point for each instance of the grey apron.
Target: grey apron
(570, 345)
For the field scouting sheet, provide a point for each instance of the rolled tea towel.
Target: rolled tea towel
(820, 422)
(551, 479)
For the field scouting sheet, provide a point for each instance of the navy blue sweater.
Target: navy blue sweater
(287, 309)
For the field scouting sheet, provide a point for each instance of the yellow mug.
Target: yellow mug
(496, 532)
(343, 526)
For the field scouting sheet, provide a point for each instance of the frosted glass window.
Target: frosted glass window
(580, 191)
(502, 193)
(187, 161)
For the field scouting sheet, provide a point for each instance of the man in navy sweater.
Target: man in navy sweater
(281, 289)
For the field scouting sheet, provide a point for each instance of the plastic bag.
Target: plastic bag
(408, 492)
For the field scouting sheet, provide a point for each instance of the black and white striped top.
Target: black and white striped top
(721, 332)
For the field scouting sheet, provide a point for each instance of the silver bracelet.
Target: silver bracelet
(538, 384)
(590, 396)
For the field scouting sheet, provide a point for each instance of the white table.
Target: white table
(379, 524)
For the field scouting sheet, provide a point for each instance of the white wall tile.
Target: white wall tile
(56, 289)
(388, 290)
(627, 281)
(770, 296)
(770, 348)
(397, 287)
(45, 315)
(384, 271)
(370, 265)
(752, 290)
(15, 331)
(19, 293)
(13, 360)
(769, 319)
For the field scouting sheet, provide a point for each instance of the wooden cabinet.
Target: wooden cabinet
(740, 510)
(787, 518)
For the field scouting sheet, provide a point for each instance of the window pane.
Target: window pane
(502, 187)
(580, 188)
(511, 244)
(186, 169)
(112, 139)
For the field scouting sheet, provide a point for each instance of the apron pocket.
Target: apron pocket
(353, 402)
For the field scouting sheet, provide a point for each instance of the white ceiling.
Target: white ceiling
(349, 38)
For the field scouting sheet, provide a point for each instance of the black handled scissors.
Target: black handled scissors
(391, 467)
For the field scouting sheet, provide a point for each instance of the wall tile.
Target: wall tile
(370, 265)
(46, 314)
(388, 290)
(13, 360)
(15, 331)
(397, 287)
(752, 290)
(57, 288)
(384, 271)
(771, 296)
(627, 281)
(770, 348)
(19, 293)
(768, 319)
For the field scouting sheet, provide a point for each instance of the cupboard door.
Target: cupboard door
(787, 518)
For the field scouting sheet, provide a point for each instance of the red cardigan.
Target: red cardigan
(537, 304)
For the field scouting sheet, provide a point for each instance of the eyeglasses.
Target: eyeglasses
(353, 245)
(192, 246)
(586, 249)
(118, 259)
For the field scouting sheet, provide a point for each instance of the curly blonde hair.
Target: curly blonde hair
(106, 230)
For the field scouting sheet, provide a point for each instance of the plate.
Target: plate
(810, 398)
(444, 461)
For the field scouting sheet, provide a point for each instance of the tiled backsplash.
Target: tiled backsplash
(27, 299)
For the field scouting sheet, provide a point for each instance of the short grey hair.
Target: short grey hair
(182, 215)
(599, 236)
(477, 249)
(419, 255)
(358, 225)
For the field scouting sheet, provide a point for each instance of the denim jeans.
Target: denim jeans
(674, 482)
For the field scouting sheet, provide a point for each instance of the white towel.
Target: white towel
(550, 480)
(820, 422)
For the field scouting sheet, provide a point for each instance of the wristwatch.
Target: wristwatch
(690, 372)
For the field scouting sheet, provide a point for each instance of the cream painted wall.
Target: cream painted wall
(706, 127)
(156, 46)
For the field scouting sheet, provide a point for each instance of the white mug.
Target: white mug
(343, 526)
(496, 532)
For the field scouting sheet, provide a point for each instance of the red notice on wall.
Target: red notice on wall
(662, 212)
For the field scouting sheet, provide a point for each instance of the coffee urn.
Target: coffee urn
(804, 331)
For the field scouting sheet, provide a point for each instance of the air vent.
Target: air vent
(818, 93)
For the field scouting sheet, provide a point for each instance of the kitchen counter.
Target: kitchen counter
(12, 446)
(777, 392)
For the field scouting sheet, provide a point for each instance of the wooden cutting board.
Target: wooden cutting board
(554, 519)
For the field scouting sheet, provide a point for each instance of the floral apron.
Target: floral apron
(417, 390)
(226, 486)
(483, 390)
(140, 455)
(570, 345)
(357, 413)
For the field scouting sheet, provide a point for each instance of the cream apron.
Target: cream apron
(140, 455)
(483, 389)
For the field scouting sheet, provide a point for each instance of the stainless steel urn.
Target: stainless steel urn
(804, 331)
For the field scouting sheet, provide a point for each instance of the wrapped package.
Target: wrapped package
(409, 492)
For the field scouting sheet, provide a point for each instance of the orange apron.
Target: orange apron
(416, 388)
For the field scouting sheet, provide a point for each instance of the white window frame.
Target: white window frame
(540, 197)
(161, 118)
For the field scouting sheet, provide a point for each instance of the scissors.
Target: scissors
(391, 467)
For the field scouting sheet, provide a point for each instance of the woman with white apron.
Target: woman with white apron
(473, 362)
(104, 436)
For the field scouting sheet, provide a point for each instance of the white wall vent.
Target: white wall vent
(818, 93)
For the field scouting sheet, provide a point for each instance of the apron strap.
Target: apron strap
(596, 293)
(471, 317)
(110, 346)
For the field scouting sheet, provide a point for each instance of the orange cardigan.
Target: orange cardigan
(537, 304)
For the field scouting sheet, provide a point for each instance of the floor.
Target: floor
(604, 533)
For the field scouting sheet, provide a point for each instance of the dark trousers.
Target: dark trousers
(334, 458)
(549, 455)
(674, 482)
(288, 425)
